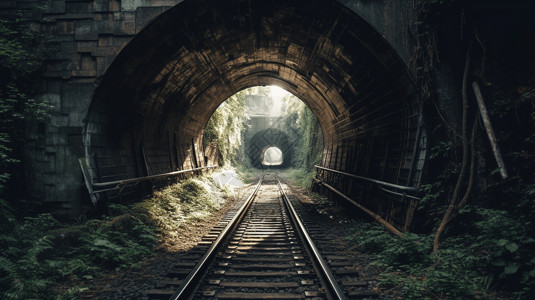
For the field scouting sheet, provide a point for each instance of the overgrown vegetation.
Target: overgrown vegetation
(305, 134)
(301, 177)
(40, 252)
(225, 129)
(22, 51)
(177, 206)
(485, 254)
(307, 141)
(487, 248)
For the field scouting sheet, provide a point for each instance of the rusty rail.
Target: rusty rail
(188, 285)
(332, 284)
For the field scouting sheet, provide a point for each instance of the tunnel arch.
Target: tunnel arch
(150, 108)
(264, 139)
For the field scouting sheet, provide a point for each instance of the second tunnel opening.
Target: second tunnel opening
(265, 126)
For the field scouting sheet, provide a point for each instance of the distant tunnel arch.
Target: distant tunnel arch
(149, 111)
(265, 139)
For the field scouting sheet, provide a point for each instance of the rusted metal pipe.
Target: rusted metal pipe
(377, 217)
(138, 179)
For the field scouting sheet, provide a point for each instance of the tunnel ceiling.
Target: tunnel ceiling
(165, 84)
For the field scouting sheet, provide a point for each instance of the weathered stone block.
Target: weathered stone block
(114, 5)
(132, 5)
(101, 5)
(73, 16)
(56, 139)
(55, 65)
(50, 193)
(77, 141)
(86, 30)
(52, 99)
(59, 120)
(78, 6)
(103, 63)
(86, 46)
(105, 51)
(76, 97)
(145, 14)
(105, 40)
(57, 74)
(64, 27)
(8, 4)
(83, 73)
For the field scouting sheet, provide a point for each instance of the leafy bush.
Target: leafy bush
(40, 251)
(225, 128)
(305, 134)
(22, 51)
(484, 251)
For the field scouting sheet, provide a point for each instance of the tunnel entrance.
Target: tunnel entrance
(272, 157)
(267, 139)
(151, 107)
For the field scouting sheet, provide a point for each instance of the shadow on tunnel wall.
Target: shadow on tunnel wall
(150, 109)
(265, 139)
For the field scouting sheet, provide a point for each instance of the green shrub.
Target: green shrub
(483, 250)
(41, 251)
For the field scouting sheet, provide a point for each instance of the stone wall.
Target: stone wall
(90, 35)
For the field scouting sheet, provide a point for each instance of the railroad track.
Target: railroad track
(263, 250)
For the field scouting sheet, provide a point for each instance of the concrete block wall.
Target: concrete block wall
(89, 34)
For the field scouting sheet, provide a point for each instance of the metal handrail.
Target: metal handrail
(333, 284)
(379, 182)
(150, 177)
(187, 284)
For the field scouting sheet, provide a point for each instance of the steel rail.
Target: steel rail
(333, 285)
(379, 182)
(188, 285)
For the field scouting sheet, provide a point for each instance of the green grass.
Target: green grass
(39, 253)
(300, 177)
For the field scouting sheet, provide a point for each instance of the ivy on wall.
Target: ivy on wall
(307, 140)
(225, 128)
(23, 48)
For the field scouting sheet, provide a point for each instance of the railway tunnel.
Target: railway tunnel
(268, 138)
(148, 112)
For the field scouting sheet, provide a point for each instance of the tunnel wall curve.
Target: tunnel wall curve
(150, 109)
(142, 81)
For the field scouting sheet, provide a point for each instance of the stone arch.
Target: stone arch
(266, 138)
(151, 106)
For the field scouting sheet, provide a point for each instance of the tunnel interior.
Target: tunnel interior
(266, 139)
(149, 110)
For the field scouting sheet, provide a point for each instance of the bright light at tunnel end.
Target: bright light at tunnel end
(277, 93)
(272, 157)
